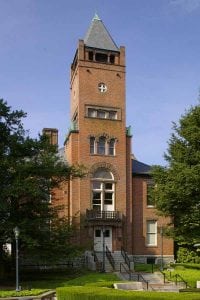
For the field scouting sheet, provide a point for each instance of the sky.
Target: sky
(38, 41)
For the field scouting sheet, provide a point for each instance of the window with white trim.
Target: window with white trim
(103, 190)
(102, 146)
(111, 147)
(102, 113)
(151, 233)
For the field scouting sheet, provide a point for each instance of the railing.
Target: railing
(126, 258)
(128, 271)
(180, 279)
(110, 258)
(141, 278)
(134, 276)
(103, 215)
(98, 263)
(164, 275)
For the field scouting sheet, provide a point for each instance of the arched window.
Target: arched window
(103, 190)
(103, 173)
(111, 147)
(101, 146)
(92, 145)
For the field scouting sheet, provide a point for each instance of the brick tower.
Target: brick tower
(112, 205)
(99, 140)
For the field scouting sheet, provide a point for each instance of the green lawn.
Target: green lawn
(189, 272)
(90, 285)
(13, 293)
(98, 286)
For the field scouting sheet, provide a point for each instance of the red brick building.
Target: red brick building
(112, 205)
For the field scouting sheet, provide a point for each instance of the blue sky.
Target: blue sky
(162, 37)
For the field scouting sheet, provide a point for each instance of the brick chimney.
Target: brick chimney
(52, 133)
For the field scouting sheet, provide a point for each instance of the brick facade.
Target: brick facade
(129, 191)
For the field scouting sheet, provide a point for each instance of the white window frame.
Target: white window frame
(153, 233)
(101, 188)
(102, 113)
(96, 149)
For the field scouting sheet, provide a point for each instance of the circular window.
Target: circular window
(102, 87)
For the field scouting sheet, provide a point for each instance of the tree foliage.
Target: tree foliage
(29, 171)
(178, 184)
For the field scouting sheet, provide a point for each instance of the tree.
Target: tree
(178, 185)
(29, 171)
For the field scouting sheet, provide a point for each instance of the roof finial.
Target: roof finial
(96, 17)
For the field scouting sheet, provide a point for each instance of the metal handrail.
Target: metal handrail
(110, 258)
(97, 261)
(95, 257)
(126, 258)
(127, 271)
(142, 279)
(137, 276)
(181, 280)
(164, 275)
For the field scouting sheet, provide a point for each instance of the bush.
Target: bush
(185, 255)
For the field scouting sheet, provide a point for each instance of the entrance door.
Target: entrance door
(98, 238)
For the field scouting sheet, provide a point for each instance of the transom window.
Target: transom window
(102, 146)
(103, 190)
(151, 235)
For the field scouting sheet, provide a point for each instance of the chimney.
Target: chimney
(52, 134)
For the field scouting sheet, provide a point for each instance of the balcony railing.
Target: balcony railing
(102, 215)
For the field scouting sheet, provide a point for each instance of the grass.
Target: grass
(189, 272)
(145, 267)
(79, 285)
(34, 292)
(88, 293)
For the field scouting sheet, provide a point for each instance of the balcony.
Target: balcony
(101, 217)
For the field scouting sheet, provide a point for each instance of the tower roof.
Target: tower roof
(98, 36)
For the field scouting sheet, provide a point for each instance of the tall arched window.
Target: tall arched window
(103, 190)
(92, 145)
(101, 145)
(111, 147)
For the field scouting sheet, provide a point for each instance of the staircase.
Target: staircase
(95, 261)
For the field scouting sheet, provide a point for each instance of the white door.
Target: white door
(98, 238)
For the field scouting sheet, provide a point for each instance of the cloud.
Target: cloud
(186, 5)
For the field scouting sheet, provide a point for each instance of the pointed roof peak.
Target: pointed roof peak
(96, 17)
(98, 36)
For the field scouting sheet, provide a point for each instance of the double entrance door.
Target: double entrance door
(102, 235)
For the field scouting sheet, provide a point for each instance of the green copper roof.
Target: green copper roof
(99, 37)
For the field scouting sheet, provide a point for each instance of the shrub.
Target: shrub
(185, 255)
